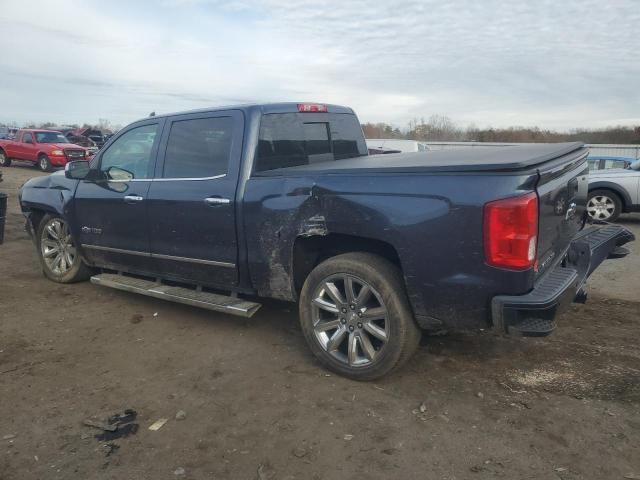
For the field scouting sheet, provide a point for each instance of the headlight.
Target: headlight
(57, 152)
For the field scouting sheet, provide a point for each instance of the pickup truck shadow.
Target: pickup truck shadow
(590, 355)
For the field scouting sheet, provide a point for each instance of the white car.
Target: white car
(614, 191)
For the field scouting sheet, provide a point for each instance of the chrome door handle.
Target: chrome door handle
(133, 198)
(213, 201)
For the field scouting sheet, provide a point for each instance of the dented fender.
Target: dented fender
(52, 193)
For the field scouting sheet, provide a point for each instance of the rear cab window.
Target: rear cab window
(293, 139)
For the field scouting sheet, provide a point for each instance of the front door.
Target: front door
(192, 199)
(110, 210)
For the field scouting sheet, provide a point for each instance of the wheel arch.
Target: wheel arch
(35, 215)
(624, 196)
(308, 252)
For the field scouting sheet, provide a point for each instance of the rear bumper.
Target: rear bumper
(534, 314)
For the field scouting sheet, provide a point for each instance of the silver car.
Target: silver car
(614, 191)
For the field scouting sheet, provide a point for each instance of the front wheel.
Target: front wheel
(356, 317)
(58, 252)
(44, 164)
(604, 205)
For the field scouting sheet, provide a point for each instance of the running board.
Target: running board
(195, 298)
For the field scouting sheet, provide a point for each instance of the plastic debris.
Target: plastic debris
(158, 424)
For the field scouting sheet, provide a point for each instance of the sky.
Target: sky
(559, 64)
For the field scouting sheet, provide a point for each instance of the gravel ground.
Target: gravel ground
(253, 403)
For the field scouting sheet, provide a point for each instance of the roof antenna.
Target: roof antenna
(152, 114)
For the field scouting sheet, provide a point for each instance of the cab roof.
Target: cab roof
(265, 108)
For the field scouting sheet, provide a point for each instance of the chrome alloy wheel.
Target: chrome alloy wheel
(601, 207)
(350, 320)
(57, 248)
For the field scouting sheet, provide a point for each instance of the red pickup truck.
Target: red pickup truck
(45, 148)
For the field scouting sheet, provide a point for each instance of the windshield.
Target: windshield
(50, 137)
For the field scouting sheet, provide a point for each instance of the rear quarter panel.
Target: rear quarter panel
(434, 222)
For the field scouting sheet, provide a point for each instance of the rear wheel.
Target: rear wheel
(604, 205)
(4, 160)
(44, 164)
(356, 317)
(57, 251)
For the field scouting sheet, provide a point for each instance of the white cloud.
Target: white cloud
(554, 64)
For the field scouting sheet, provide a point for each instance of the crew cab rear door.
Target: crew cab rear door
(192, 198)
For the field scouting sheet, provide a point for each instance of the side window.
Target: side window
(198, 148)
(27, 138)
(131, 152)
(594, 164)
(615, 164)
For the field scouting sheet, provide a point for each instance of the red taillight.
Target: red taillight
(311, 107)
(511, 232)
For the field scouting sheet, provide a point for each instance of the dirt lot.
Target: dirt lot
(258, 406)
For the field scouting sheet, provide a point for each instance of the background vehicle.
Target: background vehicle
(95, 136)
(45, 148)
(7, 132)
(600, 162)
(283, 201)
(405, 146)
(382, 151)
(614, 191)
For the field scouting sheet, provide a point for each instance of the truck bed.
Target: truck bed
(489, 159)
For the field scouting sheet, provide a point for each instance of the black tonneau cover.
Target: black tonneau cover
(475, 159)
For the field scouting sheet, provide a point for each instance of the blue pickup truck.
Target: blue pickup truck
(216, 208)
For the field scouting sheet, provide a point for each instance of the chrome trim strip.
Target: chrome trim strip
(115, 250)
(194, 260)
(188, 179)
(160, 256)
(215, 177)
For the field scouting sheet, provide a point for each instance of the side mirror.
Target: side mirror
(118, 174)
(77, 170)
(635, 165)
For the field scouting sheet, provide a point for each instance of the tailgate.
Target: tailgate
(562, 190)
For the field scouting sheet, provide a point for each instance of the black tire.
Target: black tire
(78, 270)
(44, 164)
(384, 281)
(604, 198)
(4, 160)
